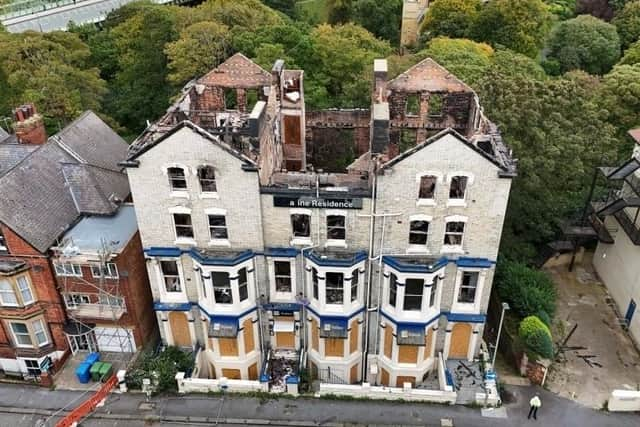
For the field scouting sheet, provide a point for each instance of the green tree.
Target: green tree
(564, 9)
(342, 63)
(520, 25)
(200, 48)
(51, 70)
(527, 291)
(584, 43)
(466, 59)
(285, 6)
(249, 14)
(450, 18)
(559, 133)
(620, 96)
(627, 22)
(631, 55)
(382, 18)
(139, 91)
(340, 11)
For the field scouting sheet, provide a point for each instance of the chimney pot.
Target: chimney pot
(29, 126)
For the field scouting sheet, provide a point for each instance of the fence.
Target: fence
(89, 405)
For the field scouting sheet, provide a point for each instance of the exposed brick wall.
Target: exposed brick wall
(43, 283)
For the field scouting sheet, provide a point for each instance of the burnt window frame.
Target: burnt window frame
(301, 235)
(455, 187)
(173, 179)
(432, 190)
(414, 233)
(207, 182)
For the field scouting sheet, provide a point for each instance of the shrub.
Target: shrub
(544, 317)
(527, 291)
(536, 336)
(166, 364)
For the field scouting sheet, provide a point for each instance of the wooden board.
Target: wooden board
(253, 372)
(388, 341)
(401, 380)
(428, 341)
(353, 337)
(460, 337)
(179, 329)
(249, 342)
(353, 376)
(384, 377)
(408, 353)
(232, 374)
(292, 130)
(315, 335)
(285, 340)
(228, 346)
(334, 347)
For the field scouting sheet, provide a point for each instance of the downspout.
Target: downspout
(367, 297)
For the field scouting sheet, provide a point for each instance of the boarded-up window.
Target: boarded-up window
(232, 374)
(353, 376)
(249, 344)
(334, 347)
(353, 337)
(384, 377)
(408, 353)
(253, 372)
(228, 346)
(401, 380)
(388, 341)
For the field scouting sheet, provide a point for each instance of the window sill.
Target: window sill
(450, 249)
(179, 194)
(425, 202)
(220, 242)
(300, 241)
(208, 196)
(185, 241)
(418, 249)
(336, 244)
(457, 203)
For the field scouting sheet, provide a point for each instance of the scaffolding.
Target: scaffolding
(82, 334)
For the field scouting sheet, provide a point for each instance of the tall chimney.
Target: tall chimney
(379, 138)
(28, 125)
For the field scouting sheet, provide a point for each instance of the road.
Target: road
(18, 404)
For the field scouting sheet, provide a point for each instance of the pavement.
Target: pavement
(22, 406)
(610, 360)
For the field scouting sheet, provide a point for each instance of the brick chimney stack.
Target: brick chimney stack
(28, 125)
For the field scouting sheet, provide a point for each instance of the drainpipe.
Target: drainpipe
(367, 297)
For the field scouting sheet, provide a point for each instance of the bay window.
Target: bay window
(355, 279)
(243, 285)
(334, 288)
(221, 288)
(282, 271)
(413, 290)
(393, 289)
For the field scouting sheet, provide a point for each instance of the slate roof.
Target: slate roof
(46, 192)
(237, 71)
(11, 152)
(428, 75)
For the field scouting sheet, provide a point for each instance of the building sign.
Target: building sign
(316, 202)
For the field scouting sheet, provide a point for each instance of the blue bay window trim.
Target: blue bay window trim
(399, 265)
(341, 323)
(410, 325)
(281, 252)
(467, 318)
(289, 307)
(474, 262)
(332, 317)
(336, 262)
(221, 260)
(169, 252)
(226, 317)
(171, 306)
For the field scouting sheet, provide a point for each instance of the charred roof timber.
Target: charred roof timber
(261, 116)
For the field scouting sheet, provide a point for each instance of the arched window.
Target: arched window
(177, 179)
(207, 178)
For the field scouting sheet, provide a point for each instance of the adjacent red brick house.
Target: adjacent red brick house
(48, 187)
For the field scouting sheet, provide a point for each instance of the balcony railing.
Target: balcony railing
(97, 311)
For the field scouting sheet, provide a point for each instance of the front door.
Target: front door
(630, 310)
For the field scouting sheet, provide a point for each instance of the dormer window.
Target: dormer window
(177, 179)
(427, 187)
(207, 179)
(458, 187)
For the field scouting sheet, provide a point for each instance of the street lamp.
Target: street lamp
(505, 307)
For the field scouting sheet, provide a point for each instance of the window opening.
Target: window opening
(207, 178)
(177, 179)
(468, 287)
(393, 289)
(433, 292)
(314, 281)
(436, 104)
(418, 232)
(222, 287)
(427, 187)
(301, 224)
(355, 279)
(336, 227)
(283, 276)
(218, 227)
(243, 284)
(458, 187)
(453, 234)
(184, 228)
(171, 276)
(413, 289)
(334, 287)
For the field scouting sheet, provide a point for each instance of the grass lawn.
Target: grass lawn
(314, 11)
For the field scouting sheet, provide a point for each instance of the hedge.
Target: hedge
(536, 336)
(527, 291)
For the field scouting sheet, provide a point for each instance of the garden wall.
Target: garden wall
(389, 393)
(203, 385)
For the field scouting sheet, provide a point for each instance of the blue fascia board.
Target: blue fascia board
(333, 317)
(282, 252)
(226, 317)
(398, 265)
(171, 306)
(226, 261)
(410, 325)
(334, 262)
(474, 262)
(293, 379)
(156, 251)
(282, 306)
(465, 317)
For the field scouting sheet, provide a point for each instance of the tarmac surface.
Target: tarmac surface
(22, 406)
